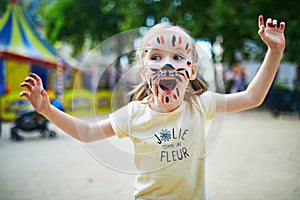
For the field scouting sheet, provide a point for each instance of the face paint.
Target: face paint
(168, 83)
(168, 63)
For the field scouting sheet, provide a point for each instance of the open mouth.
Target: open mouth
(167, 84)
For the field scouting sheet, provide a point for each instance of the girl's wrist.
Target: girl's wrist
(277, 47)
(46, 111)
(277, 51)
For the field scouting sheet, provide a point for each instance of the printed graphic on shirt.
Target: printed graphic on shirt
(174, 144)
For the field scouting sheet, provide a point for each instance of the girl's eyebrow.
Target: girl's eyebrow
(179, 49)
(155, 49)
(173, 50)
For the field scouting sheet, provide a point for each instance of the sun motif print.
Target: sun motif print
(168, 66)
(165, 135)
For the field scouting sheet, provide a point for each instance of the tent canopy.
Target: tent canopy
(19, 40)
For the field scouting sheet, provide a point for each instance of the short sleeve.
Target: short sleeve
(120, 121)
(206, 103)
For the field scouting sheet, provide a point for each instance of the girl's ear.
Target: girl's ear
(194, 71)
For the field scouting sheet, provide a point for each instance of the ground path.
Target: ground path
(256, 158)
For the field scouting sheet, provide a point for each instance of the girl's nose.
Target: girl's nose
(167, 67)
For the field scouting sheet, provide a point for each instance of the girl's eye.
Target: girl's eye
(177, 57)
(155, 57)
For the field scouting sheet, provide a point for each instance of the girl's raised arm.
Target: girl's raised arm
(273, 36)
(77, 128)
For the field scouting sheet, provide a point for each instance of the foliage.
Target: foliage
(74, 21)
(3, 5)
(235, 20)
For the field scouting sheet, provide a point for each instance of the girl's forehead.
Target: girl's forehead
(170, 40)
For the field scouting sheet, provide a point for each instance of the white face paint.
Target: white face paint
(168, 66)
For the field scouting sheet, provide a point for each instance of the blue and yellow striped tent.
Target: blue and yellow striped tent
(20, 41)
(22, 50)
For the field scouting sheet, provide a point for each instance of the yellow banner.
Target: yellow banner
(15, 74)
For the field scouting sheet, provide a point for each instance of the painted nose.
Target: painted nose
(167, 67)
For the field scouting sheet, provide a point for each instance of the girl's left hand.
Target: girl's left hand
(271, 34)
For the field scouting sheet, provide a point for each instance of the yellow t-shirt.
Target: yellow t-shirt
(167, 147)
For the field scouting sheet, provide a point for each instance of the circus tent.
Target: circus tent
(23, 50)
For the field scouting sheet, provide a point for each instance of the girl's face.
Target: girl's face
(168, 66)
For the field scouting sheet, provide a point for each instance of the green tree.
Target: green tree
(285, 11)
(235, 20)
(75, 20)
(3, 6)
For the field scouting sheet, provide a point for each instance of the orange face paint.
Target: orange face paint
(162, 98)
(175, 97)
(179, 40)
(188, 51)
(162, 39)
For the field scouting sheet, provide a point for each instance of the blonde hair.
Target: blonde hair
(195, 87)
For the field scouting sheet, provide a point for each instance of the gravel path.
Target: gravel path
(257, 157)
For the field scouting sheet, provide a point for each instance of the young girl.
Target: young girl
(165, 119)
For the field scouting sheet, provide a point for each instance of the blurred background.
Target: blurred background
(54, 38)
(77, 49)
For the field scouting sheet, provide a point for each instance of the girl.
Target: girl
(166, 118)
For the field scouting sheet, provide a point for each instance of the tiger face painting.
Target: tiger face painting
(168, 66)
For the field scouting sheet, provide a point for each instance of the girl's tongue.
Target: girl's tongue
(167, 85)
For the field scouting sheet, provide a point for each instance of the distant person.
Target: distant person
(236, 78)
(166, 118)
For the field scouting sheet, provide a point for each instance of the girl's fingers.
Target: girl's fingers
(30, 80)
(24, 94)
(269, 22)
(261, 24)
(36, 78)
(43, 93)
(260, 21)
(282, 26)
(274, 23)
(27, 85)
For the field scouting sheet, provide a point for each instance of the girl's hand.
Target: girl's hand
(271, 34)
(36, 94)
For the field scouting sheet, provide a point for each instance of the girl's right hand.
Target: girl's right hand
(36, 94)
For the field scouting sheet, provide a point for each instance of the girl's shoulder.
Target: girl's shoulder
(205, 104)
(204, 98)
(136, 107)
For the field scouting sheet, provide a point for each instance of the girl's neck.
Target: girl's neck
(164, 108)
